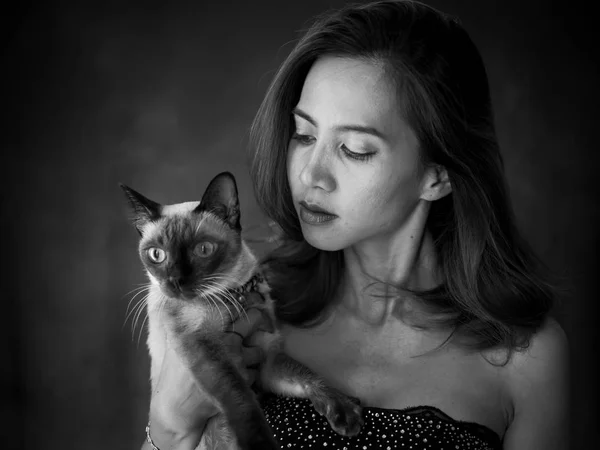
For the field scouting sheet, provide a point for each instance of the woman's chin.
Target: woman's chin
(323, 240)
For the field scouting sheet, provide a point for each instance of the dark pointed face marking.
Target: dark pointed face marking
(187, 268)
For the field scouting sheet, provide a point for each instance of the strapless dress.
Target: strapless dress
(297, 425)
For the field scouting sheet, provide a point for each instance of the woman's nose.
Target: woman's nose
(317, 171)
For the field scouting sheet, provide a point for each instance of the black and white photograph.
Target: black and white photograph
(317, 224)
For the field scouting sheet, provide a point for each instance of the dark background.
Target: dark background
(161, 96)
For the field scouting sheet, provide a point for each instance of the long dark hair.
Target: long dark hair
(494, 293)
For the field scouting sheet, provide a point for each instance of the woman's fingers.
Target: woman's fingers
(252, 355)
(247, 323)
(239, 337)
(255, 298)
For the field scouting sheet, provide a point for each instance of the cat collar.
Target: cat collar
(250, 286)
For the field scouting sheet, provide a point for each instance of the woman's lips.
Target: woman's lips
(315, 215)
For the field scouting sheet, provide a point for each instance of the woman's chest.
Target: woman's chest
(381, 373)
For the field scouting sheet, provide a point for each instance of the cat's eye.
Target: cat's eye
(205, 249)
(156, 255)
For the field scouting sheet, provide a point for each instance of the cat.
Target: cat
(199, 268)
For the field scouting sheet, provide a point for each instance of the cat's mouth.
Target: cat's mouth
(177, 291)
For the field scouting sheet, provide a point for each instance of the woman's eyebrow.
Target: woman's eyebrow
(298, 112)
(356, 128)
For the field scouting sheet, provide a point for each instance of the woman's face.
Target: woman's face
(352, 156)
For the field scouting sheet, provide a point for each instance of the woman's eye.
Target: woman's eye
(303, 139)
(357, 156)
(156, 255)
(205, 249)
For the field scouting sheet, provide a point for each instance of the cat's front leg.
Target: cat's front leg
(212, 367)
(284, 375)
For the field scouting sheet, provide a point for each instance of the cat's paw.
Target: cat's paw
(343, 412)
(260, 438)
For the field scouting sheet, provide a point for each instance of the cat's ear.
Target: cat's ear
(144, 209)
(221, 198)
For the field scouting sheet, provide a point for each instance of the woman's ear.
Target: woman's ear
(436, 183)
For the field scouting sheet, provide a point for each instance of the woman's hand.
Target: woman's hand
(239, 339)
(179, 409)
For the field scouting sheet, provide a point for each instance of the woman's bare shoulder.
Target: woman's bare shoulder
(537, 379)
(548, 350)
(548, 345)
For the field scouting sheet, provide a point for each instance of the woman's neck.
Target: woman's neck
(407, 259)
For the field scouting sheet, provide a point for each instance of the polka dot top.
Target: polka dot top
(297, 425)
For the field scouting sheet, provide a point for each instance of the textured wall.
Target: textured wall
(161, 97)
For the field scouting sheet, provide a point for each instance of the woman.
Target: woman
(401, 278)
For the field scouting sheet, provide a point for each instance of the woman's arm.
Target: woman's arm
(181, 413)
(163, 438)
(179, 410)
(539, 385)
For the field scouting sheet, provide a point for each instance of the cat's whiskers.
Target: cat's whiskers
(219, 283)
(234, 301)
(145, 287)
(214, 306)
(212, 303)
(162, 301)
(210, 294)
(223, 280)
(225, 292)
(141, 329)
(138, 288)
(220, 277)
(139, 308)
(135, 311)
(225, 295)
(218, 280)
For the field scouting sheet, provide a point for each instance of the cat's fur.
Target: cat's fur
(190, 303)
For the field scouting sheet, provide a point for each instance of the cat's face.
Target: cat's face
(186, 252)
(193, 247)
